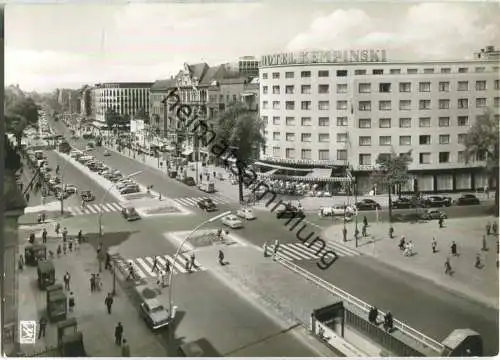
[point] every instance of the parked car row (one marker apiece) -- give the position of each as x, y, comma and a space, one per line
434, 201
122, 184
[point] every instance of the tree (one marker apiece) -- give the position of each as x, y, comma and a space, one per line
20, 112
241, 129
391, 170
142, 114
112, 118
483, 140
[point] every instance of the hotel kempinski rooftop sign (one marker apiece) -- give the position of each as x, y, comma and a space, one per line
324, 57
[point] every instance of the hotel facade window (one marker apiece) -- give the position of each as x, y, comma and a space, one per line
276, 120
324, 105
290, 153
290, 121
305, 89
290, 105
444, 121
305, 137
405, 140
306, 121
289, 89
341, 88
342, 137
323, 154
405, 87
324, 137
384, 123
384, 140
444, 104
365, 106
323, 89
342, 121
365, 141
342, 105
463, 86
424, 87
365, 159
364, 88
305, 154
405, 122
444, 86
290, 136
323, 121
365, 123
289, 75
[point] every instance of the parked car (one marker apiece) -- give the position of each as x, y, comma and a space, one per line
106, 153
468, 199
245, 213
402, 203
189, 181
339, 210
289, 211
130, 213
132, 189
435, 214
437, 201
87, 195
232, 221
207, 204
368, 204
154, 314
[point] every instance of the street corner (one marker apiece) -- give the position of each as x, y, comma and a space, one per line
206, 238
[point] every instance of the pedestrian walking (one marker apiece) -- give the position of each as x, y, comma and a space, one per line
92, 282
39, 218
77, 247
477, 264
265, 249
484, 247
434, 245
108, 301
276, 248
118, 334
20, 263
167, 266
363, 231
28, 200
488, 228
32, 238
201, 178
107, 262
187, 265
64, 248
65, 234
365, 221
494, 228
66, 278
402, 243
42, 326
373, 315
155, 264
388, 322
80, 236
44, 236
391, 232
44, 217
221, 258
97, 282
441, 222
454, 250
71, 302
125, 349
59, 250
344, 234
58, 227
447, 267
70, 245
193, 262
131, 271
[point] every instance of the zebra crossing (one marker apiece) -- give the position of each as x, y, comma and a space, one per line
193, 201
143, 265
300, 251
94, 208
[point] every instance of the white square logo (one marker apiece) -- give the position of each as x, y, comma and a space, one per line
27, 332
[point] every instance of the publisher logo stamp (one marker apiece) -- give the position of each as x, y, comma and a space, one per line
27, 332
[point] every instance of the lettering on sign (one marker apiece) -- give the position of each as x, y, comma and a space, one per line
27, 332
324, 57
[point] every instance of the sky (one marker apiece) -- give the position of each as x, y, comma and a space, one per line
69, 45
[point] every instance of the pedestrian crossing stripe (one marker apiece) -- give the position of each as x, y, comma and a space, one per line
300, 251
143, 266
94, 208
193, 201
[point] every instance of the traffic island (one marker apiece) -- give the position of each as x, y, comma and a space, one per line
204, 238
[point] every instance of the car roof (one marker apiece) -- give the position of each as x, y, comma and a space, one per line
152, 303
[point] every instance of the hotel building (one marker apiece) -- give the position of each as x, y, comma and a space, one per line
127, 99
329, 111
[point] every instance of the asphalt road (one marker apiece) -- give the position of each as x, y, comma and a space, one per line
365, 277
413, 300
207, 308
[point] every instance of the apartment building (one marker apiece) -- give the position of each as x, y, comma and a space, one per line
126, 98
345, 108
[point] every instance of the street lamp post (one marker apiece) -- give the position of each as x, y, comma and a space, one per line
179, 248
99, 222
62, 186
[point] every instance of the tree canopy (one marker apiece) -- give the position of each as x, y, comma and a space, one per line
392, 169
242, 128
20, 111
483, 139
113, 119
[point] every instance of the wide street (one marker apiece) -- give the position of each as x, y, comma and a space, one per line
438, 312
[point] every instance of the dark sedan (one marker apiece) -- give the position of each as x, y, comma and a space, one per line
207, 205
468, 199
87, 196
437, 201
402, 203
368, 204
289, 211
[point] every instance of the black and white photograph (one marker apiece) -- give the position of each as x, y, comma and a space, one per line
250, 179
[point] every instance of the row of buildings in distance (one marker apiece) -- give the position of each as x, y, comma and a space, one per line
328, 111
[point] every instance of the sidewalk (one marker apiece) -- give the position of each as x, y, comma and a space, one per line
93, 321
278, 292
479, 284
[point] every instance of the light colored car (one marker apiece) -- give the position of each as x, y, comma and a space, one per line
70, 189
154, 314
106, 153
232, 221
245, 213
